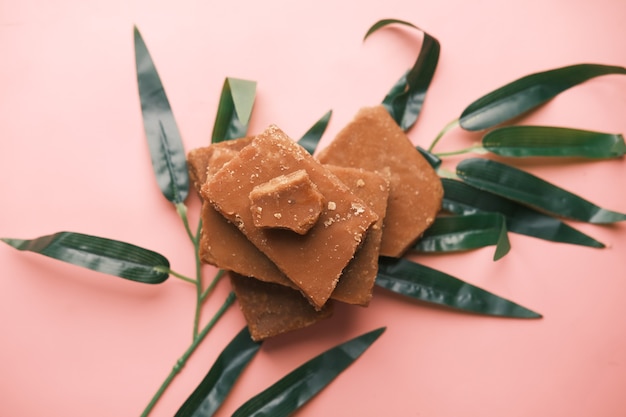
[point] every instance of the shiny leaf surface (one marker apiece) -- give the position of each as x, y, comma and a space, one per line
426, 284
525, 141
299, 386
169, 161
234, 109
517, 185
527, 93
432, 159
405, 100
312, 137
213, 389
465, 232
99, 254
461, 198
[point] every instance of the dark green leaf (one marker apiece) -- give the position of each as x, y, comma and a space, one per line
426, 284
312, 137
99, 254
523, 141
299, 386
461, 198
517, 185
210, 394
465, 232
384, 22
526, 93
405, 100
234, 110
166, 147
432, 159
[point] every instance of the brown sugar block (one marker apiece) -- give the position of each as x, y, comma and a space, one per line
313, 262
221, 243
356, 283
271, 309
289, 202
373, 141
214, 155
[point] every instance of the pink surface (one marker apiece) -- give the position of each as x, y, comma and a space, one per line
73, 157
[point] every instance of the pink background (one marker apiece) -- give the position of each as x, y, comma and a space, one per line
73, 157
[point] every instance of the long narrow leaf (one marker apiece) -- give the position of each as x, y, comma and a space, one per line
311, 138
527, 93
461, 198
99, 254
166, 147
299, 386
517, 185
426, 284
206, 399
234, 109
406, 98
465, 232
525, 141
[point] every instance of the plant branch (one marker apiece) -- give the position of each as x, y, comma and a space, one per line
212, 285
451, 125
182, 361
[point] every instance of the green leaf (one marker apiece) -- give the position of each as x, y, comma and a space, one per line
405, 100
461, 198
430, 157
299, 386
217, 384
99, 254
169, 161
312, 137
465, 232
517, 185
526, 93
234, 109
426, 284
525, 141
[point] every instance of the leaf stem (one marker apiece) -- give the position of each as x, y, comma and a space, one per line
451, 125
182, 361
164, 269
181, 209
212, 285
199, 299
474, 148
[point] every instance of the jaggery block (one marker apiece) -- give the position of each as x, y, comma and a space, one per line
356, 283
373, 141
271, 309
214, 155
313, 262
221, 243
289, 202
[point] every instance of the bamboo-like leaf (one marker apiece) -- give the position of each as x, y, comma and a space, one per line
426, 284
234, 109
166, 147
465, 232
311, 138
99, 254
216, 385
299, 386
527, 93
525, 141
461, 198
517, 185
406, 98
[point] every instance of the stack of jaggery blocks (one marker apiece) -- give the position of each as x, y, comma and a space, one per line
297, 232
